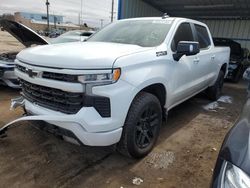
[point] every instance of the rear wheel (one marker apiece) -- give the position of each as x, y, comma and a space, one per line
238, 75
214, 91
142, 126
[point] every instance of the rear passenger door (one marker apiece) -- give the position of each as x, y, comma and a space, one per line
206, 58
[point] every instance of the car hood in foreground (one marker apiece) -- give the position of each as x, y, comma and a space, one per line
236, 147
77, 55
23, 34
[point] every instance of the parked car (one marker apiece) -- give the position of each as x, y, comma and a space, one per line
236, 66
72, 36
28, 38
116, 87
233, 164
54, 34
24, 35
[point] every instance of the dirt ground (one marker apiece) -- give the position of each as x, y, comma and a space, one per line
184, 156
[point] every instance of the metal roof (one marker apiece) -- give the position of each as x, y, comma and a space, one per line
204, 9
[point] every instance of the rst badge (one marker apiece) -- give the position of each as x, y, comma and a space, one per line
161, 53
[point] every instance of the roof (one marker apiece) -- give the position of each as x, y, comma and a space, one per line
149, 18
168, 19
204, 9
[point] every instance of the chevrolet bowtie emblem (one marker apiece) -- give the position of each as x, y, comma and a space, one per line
31, 73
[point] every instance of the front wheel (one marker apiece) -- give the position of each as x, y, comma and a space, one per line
142, 126
214, 91
238, 75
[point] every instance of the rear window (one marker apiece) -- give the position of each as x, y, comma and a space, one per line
202, 36
86, 34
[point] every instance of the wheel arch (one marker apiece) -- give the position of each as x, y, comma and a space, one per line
224, 68
158, 90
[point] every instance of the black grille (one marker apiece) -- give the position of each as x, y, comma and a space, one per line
101, 104
1, 72
66, 102
60, 77
55, 99
53, 76
21, 68
3, 69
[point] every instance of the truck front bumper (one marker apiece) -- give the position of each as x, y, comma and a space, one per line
87, 124
74, 124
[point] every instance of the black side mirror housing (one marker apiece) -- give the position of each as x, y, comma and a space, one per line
187, 48
246, 74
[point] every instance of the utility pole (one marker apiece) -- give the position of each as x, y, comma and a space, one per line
101, 22
47, 4
81, 16
79, 20
112, 11
55, 21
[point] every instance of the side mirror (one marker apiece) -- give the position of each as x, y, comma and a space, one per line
246, 74
186, 48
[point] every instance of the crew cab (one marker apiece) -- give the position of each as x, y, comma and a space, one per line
116, 87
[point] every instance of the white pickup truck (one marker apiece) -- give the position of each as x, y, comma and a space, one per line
117, 87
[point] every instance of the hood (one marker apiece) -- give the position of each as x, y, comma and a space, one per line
236, 147
77, 55
22, 33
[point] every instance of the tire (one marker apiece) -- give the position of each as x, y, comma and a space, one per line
142, 126
238, 76
214, 91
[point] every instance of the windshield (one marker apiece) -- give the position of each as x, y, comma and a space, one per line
145, 33
72, 33
64, 40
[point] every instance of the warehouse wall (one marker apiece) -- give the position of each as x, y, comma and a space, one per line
238, 30
136, 8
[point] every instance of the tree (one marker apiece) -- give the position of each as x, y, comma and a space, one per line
85, 25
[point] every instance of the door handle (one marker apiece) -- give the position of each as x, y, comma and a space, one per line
196, 60
213, 57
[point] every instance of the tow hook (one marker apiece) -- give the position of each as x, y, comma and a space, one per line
3, 133
17, 102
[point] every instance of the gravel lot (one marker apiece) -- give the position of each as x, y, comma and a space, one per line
184, 156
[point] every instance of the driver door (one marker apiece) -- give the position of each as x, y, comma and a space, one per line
185, 69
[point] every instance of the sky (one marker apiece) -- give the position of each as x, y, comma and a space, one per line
93, 10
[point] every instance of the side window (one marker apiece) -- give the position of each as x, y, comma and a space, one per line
202, 36
183, 33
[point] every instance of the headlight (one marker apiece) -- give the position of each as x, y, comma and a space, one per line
105, 78
233, 177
